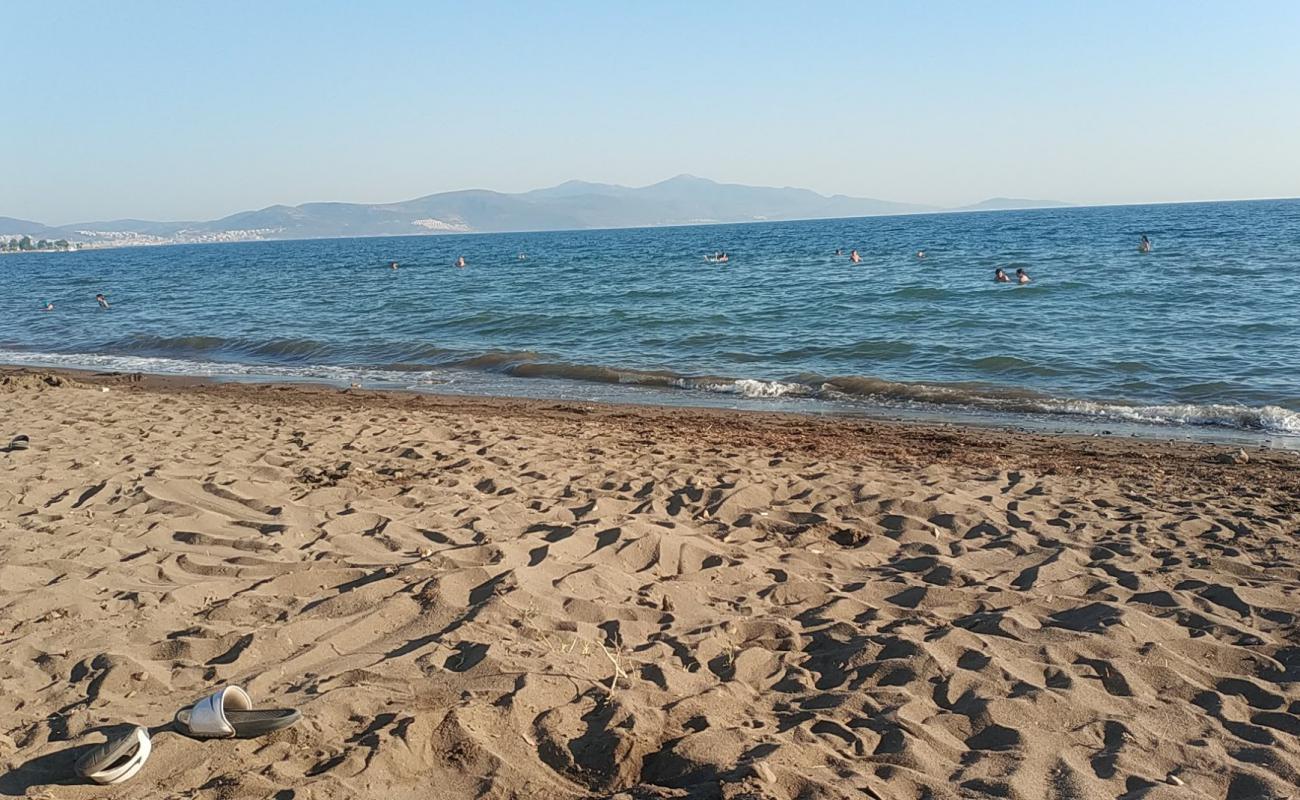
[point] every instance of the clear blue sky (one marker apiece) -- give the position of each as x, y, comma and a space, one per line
188, 110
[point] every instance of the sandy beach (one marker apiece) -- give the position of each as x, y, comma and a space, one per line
496, 598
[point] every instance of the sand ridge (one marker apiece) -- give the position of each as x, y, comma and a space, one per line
510, 599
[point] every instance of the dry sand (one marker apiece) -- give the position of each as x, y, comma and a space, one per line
516, 599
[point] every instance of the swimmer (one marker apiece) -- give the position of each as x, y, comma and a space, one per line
49, 306
854, 257
1000, 276
523, 256
920, 254
723, 258
460, 262
839, 251
1022, 277
102, 300
392, 265
1144, 246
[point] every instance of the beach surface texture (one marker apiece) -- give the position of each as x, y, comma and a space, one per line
518, 599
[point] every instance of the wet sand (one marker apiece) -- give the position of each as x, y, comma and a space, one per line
506, 598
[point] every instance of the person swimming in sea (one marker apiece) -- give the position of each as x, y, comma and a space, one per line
920, 254
460, 262
1022, 277
392, 265
839, 251
102, 300
523, 256
49, 307
1144, 246
722, 258
1000, 277
854, 257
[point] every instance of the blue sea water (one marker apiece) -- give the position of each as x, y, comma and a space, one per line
1202, 332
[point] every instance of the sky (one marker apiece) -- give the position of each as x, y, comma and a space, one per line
189, 110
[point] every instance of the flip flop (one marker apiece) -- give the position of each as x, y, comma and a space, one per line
229, 713
19, 442
118, 759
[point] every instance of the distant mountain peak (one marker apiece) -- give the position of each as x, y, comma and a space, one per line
1011, 204
686, 177
579, 184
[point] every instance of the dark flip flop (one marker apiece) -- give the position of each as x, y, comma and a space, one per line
118, 759
19, 442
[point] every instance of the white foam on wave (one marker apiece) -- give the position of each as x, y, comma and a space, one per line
753, 388
1268, 419
747, 387
155, 365
1273, 419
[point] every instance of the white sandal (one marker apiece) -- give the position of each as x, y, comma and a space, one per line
229, 713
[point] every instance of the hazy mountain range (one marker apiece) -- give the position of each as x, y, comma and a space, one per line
683, 200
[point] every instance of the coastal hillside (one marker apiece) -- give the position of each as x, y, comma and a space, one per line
574, 205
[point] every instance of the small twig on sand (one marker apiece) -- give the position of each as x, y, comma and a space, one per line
618, 668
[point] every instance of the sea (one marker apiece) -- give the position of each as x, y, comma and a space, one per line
1199, 338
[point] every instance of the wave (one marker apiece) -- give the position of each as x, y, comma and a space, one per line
853, 390
589, 373
1270, 419
161, 365
1012, 400
168, 346
941, 394
144, 342
497, 360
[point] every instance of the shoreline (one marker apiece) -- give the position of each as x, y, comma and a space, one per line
660, 398
522, 598
960, 441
